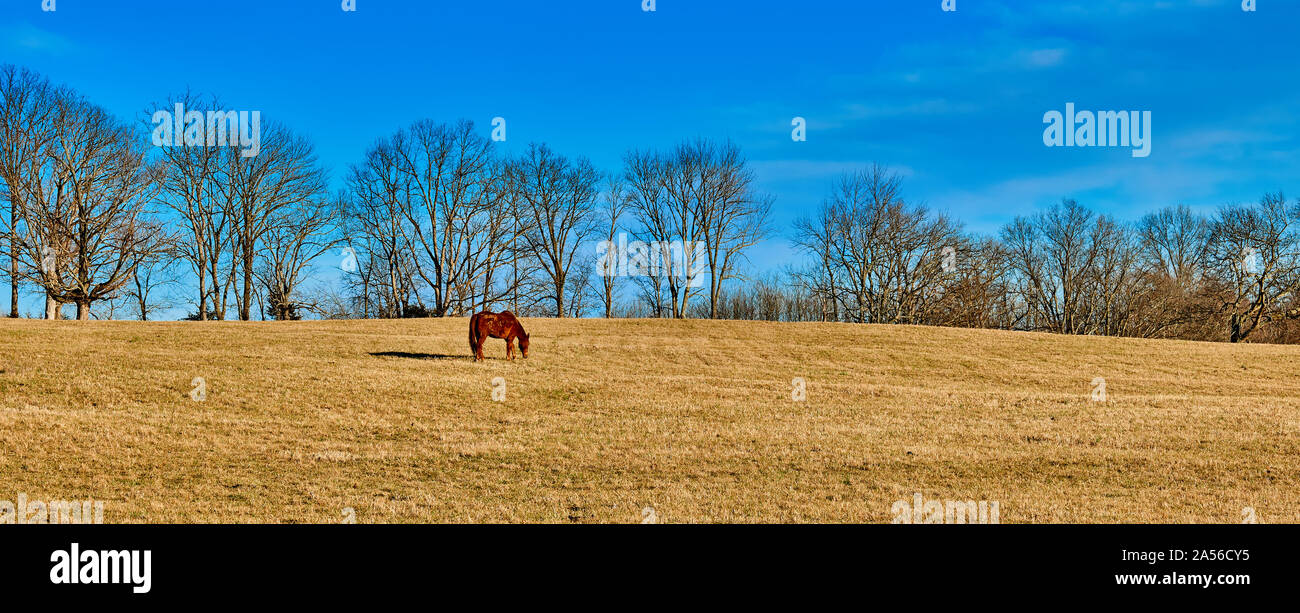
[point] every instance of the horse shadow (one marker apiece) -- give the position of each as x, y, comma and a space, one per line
418, 356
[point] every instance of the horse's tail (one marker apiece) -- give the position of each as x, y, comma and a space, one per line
473, 334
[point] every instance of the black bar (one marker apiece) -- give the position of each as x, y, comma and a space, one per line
226, 564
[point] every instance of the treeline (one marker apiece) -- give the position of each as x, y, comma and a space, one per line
100, 219
433, 220
1068, 270
443, 225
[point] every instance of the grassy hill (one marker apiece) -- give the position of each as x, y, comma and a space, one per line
694, 419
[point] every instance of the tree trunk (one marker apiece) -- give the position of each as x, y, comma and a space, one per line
13, 266
83, 311
203, 297
246, 302
53, 309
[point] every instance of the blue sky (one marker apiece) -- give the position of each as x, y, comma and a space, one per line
954, 101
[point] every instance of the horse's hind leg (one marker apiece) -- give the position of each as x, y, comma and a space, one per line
479, 341
476, 346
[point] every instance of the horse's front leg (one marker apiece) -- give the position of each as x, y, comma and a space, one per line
510, 348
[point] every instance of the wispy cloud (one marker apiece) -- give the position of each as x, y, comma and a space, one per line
1101, 10
1044, 58
26, 37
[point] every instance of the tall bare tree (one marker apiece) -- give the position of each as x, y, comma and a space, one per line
732, 216
882, 258
83, 204
558, 199
296, 236
194, 186
1256, 252
150, 289
1175, 247
504, 263
1053, 254
378, 221
455, 194
284, 175
28, 103
817, 237
698, 207
614, 203
664, 192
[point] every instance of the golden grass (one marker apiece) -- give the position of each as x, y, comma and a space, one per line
693, 418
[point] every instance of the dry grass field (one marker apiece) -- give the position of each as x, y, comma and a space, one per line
694, 419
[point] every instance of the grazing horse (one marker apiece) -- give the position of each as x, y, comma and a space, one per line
496, 325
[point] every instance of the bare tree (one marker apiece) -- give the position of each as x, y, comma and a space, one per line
1175, 247
1116, 295
295, 237
880, 258
1256, 254
378, 223
503, 230
433, 201
698, 194
817, 237
456, 191
154, 274
28, 104
976, 292
732, 216
195, 187
614, 203
1052, 255
84, 207
282, 176
661, 201
558, 198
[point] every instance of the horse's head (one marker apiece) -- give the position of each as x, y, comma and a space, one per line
523, 344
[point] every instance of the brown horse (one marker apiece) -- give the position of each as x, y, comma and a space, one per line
496, 325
